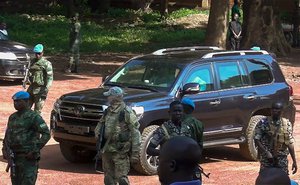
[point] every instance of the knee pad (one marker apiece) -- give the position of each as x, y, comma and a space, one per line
123, 181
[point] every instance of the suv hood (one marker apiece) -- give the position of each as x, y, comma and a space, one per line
95, 96
11, 46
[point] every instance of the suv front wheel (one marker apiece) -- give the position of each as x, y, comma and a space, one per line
249, 149
147, 164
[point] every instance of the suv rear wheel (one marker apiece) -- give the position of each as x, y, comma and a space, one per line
148, 164
248, 149
75, 154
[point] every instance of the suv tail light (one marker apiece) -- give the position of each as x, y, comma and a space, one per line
291, 92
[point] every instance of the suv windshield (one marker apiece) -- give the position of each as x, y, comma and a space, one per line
154, 74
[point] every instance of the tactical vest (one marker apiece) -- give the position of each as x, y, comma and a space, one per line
281, 134
38, 73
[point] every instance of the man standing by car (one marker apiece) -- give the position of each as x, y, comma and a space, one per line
171, 128
235, 32
122, 138
273, 136
26, 134
41, 77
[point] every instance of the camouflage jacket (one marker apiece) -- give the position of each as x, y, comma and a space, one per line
168, 130
75, 34
196, 128
121, 130
274, 137
27, 132
41, 75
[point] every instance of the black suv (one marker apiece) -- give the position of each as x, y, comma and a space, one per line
14, 58
232, 91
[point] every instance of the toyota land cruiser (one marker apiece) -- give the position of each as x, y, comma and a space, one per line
232, 91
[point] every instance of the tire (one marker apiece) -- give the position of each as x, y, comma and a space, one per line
148, 164
75, 154
248, 149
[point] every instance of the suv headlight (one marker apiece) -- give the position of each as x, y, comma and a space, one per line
139, 111
8, 56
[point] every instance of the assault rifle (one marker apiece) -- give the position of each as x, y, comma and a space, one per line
10, 156
202, 171
99, 146
26, 77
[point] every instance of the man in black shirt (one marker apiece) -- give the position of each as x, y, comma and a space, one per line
235, 32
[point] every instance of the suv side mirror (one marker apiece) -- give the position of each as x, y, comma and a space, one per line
190, 88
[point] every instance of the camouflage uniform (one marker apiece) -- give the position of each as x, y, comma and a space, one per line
122, 141
26, 132
168, 130
41, 77
276, 140
197, 128
74, 39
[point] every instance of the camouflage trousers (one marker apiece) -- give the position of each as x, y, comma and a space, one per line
116, 167
26, 171
279, 162
38, 100
74, 58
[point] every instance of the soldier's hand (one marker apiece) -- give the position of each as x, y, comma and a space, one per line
294, 167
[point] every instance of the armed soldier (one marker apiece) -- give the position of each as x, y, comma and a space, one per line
122, 138
26, 134
273, 136
74, 39
41, 77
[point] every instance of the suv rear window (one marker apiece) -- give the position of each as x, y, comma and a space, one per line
259, 72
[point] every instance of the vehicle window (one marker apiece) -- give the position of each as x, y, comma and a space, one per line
203, 76
159, 74
229, 75
259, 72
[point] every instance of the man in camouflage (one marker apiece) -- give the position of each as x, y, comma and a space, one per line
273, 136
191, 121
171, 128
122, 138
41, 77
26, 134
74, 39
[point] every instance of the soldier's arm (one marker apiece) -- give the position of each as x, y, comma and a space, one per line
49, 71
133, 126
156, 140
291, 146
200, 134
43, 130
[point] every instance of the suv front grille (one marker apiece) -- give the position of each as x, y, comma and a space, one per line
77, 113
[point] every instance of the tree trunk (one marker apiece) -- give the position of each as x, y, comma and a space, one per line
216, 32
262, 26
143, 5
104, 6
296, 22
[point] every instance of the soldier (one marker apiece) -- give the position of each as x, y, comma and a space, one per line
41, 77
122, 138
171, 128
26, 134
74, 45
273, 136
3, 31
178, 158
235, 32
190, 120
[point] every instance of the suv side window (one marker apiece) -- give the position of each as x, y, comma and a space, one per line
230, 75
202, 75
259, 72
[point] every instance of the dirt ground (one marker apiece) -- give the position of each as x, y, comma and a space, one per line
224, 163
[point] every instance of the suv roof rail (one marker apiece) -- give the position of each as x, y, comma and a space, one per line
181, 49
235, 53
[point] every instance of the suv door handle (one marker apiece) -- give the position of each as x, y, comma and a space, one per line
215, 102
249, 97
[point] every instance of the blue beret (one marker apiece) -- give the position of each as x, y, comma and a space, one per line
38, 48
114, 91
21, 95
188, 101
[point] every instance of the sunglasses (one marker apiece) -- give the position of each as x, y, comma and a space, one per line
38, 53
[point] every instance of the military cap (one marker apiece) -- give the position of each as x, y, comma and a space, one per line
38, 48
114, 91
188, 101
21, 95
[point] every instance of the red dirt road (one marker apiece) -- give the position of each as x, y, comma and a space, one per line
224, 163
